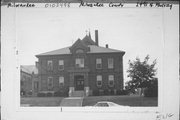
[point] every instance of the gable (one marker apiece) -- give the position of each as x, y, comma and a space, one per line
79, 45
88, 41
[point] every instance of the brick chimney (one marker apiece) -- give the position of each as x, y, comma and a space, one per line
107, 46
96, 37
37, 64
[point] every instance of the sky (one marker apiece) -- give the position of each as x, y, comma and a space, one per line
136, 31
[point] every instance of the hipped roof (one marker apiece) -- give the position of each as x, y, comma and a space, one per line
86, 41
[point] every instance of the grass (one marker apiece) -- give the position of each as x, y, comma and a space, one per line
91, 100
122, 100
41, 101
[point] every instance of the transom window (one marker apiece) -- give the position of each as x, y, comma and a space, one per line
110, 63
99, 80
98, 63
61, 81
61, 64
80, 62
111, 80
50, 83
79, 51
50, 65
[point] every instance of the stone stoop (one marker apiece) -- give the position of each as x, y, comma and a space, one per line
78, 94
72, 101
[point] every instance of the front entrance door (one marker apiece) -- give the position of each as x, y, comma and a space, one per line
79, 82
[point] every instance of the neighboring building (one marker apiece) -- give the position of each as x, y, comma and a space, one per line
29, 80
84, 66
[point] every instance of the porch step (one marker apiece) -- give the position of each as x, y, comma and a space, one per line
78, 94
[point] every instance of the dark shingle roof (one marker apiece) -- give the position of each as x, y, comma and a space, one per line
93, 49
57, 52
86, 41
98, 49
29, 69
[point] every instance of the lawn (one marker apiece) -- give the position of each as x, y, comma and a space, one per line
91, 100
122, 100
41, 101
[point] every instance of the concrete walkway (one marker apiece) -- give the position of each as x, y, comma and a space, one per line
72, 101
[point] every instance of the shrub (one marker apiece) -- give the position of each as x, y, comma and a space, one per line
106, 92
95, 92
41, 95
66, 93
111, 92
49, 94
151, 92
29, 93
63, 93
57, 94
122, 92
101, 92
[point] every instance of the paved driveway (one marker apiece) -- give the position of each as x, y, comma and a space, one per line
72, 101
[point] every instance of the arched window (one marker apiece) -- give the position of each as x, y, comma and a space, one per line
79, 51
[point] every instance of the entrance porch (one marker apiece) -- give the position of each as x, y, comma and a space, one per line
78, 83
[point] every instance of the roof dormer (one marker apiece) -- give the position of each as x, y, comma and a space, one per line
79, 47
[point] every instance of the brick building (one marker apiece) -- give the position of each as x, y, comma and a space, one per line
29, 80
85, 66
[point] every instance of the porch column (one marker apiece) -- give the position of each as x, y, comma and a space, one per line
71, 81
71, 84
86, 84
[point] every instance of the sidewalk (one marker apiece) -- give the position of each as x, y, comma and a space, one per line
72, 101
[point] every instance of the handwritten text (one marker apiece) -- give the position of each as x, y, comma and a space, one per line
164, 116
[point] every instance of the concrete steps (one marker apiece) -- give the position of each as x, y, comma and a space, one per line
72, 101
78, 94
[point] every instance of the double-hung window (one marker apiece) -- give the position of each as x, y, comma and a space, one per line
61, 81
50, 83
110, 63
111, 80
98, 63
99, 81
80, 62
61, 64
50, 65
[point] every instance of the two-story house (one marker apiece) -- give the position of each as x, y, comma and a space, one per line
85, 66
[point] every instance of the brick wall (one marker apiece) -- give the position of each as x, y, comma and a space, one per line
90, 62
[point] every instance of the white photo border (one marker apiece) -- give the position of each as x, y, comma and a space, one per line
11, 86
